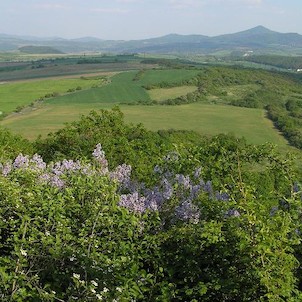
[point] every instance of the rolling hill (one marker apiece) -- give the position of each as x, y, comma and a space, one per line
39, 50
257, 39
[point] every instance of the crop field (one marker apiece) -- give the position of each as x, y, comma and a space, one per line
123, 88
60, 70
13, 95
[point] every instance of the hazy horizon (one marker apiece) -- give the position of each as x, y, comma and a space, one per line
138, 19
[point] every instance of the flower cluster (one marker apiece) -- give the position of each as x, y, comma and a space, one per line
122, 174
99, 156
182, 189
56, 174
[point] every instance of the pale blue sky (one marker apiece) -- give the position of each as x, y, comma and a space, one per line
137, 19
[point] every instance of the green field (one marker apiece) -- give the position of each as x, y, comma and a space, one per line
124, 89
161, 94
203, 118
67, 69
209, 116
17, 94
121, 89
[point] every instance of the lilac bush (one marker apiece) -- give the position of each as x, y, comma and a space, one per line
79, 231
179, 189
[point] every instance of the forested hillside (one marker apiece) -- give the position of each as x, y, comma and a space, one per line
288, 62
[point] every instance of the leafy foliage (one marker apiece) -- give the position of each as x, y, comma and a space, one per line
190, 219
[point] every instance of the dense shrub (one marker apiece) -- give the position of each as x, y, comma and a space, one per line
289, 126
80, 231
11, 145
166, 216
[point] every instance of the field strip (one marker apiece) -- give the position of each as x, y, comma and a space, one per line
74, 76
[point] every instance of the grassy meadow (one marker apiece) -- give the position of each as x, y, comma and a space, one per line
122, 88
203, 118
14, 94
161, 94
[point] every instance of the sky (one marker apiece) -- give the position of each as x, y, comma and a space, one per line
139, 19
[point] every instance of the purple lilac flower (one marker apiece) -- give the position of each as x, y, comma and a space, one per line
56, 169
154, 200
197, 173
154, 193
167, 189
157, 169
99, 155
152, 204
184, 180
274, 210
87, 169
37, 163
222, 196
121, 174
6, 169
133, 202
232, 213
188, 212
21, 161
70, 165
296, 187
45, 178
57, 182
208, 187
195, 190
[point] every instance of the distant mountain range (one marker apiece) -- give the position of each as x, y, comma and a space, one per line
259, 39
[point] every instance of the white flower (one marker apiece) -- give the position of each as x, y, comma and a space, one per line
94, 283
77, 276
99, 297
23, 252
119, 289
105, 290
93, 290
